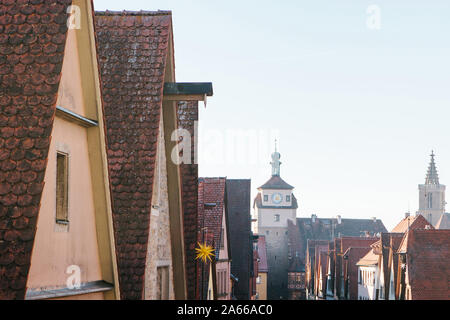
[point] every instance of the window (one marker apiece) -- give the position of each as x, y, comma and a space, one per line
258, 280
288, 198
266, 198
62, 194
222, 239
224, 291
430, 200
162, 283
277, 218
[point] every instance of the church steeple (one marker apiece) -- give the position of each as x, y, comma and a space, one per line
432, 174
276, 163
432, 195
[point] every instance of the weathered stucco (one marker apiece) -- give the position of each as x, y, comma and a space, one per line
159, 248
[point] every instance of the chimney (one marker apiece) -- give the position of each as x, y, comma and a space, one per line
374, 219
313, 218
407, 215
339, 219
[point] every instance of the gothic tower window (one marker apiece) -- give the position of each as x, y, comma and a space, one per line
430, 200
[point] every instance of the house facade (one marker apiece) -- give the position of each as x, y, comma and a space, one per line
241, 236
153, 193
263, 269
55, 209
423, 262
213, 230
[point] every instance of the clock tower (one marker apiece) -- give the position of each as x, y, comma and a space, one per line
274, 205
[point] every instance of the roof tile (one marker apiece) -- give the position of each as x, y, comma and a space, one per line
132, 115
26, 117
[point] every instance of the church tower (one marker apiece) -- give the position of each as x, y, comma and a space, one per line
274, 205
432, 195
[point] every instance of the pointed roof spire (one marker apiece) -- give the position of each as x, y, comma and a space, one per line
432, 174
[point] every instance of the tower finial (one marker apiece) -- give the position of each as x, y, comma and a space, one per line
276, 161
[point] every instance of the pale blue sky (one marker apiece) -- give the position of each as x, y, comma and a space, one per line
358, 111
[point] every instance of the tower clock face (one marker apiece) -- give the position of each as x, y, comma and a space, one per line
277, 198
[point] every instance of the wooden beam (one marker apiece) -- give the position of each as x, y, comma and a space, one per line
86, 288
188, 88
185, 97
74, 117
175, 203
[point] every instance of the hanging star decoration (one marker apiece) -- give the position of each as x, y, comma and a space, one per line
204, 252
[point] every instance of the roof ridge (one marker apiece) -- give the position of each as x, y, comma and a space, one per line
134, 13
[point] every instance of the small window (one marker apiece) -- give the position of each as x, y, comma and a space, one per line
258, 280
222, 239
266, 198
288, 198
267, 232
163, 283
277, 218
62, 194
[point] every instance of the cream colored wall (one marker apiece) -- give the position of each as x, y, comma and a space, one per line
159, 248
261, 288
210, 285
70, 95
57, 247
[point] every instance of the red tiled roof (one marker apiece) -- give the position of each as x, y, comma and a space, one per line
32, 42
296, 247
187, 115
211, 197
356, 242
211, 206
370, 259
428, 263
342, 245
132, 50
353, 255
262, 253
412, 222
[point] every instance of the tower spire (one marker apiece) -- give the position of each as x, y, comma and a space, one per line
276, 162
432, 174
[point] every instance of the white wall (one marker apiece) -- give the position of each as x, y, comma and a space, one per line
367, 284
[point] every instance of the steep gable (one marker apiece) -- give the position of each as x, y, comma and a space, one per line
32, 43
133, 50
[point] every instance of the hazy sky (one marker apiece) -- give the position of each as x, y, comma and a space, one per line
357, 110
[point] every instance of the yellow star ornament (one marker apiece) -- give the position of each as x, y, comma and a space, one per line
204, 252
